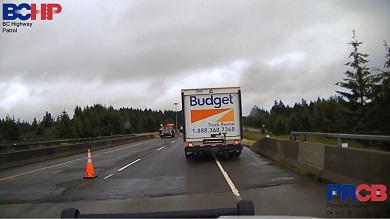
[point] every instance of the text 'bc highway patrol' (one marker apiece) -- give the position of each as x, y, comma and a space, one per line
12, 27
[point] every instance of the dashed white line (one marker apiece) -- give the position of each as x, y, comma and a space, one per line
161, 148
128, 165
60, 164
108, 176
172, 142
228, 180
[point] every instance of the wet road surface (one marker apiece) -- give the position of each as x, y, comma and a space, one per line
154, 175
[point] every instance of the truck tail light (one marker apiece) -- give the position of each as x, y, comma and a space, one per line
236, 142
189, 144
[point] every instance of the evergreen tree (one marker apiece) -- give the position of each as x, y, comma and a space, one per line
77, 112
34, 123
278, 119
328, 116
64, 128
358, 81
77, 127
280, 125
299, 117
40, 130
10, 129
257, 118
378, 115
47, 120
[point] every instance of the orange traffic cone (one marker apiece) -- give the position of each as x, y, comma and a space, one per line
90, 174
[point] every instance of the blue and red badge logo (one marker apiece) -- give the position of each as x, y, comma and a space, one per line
46, 11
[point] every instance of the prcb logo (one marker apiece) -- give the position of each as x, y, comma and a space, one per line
12, 11
375, 192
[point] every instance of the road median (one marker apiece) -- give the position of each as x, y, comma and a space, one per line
17, 158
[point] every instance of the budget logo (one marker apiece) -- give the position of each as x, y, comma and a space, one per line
363, 192
12, 11
226, 115
216, 102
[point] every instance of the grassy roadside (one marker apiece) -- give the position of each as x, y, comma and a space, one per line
252, 137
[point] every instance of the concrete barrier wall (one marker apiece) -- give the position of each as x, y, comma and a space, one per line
348, 164
331, 163
265, 147
13, 159
311, 157
279, 150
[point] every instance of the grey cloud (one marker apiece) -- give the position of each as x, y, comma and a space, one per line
136, 53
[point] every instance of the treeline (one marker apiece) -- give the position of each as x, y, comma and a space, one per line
362, 107
323, 115
90, 121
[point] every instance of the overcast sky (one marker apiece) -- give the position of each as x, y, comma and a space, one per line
141, 53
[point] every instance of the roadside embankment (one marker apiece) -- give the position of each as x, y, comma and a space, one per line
328, 162
17, 158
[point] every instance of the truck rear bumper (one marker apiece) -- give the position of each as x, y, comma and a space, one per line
213, 149
167, 135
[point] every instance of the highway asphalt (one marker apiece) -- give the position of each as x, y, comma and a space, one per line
154, 175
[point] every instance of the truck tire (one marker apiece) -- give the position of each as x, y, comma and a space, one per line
234, 154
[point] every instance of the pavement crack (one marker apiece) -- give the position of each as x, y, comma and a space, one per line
262, 186
70, 187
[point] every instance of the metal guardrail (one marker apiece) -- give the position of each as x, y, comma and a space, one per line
29, 145
339, 136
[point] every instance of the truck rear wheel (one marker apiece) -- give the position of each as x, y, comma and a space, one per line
235, 154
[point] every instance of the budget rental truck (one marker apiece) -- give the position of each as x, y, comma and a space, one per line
212, 119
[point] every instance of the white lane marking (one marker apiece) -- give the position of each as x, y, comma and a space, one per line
228, 180
161, 148
172, 142
33, 171
108, 176
48, 167
129, 164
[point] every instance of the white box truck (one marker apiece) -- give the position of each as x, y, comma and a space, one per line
212, 121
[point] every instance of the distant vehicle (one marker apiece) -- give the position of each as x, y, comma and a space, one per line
167, 130
212, 121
